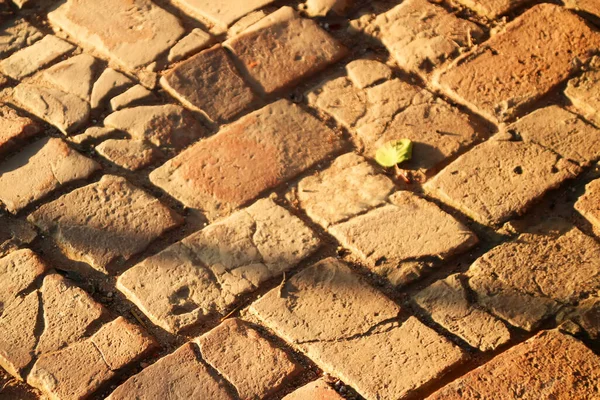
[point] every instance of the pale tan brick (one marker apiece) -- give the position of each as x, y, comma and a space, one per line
31, 59
589, 204
15, 128
18, 271
584, 94
317, 390
222, 13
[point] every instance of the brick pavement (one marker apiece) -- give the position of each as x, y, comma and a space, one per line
191, 207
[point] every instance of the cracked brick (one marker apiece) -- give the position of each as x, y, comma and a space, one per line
255, 367
222, 13
426, 237
38, 170
205, 273
105, 222
18, 271
493, 8
14, 233
109, 84
587, 204
194, 42
16, 35
589, 6
498, 180
75, 75
584, 93
15, 128
129, 154
535, 53
342, 324
258, 152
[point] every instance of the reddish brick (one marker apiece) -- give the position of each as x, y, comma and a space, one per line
14, 128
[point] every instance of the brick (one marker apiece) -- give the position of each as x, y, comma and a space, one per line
493, 8
535, 53
584, 94
79, 370
587, 204
446, 302
105, 222
527, 280
133, 96
256, 153
75, 75
320, 8
421, 36
203, 274
245, 22
316, 390
550, 365
14, 233
209, 83
38, 170
109, 84
498, 180
31, 59
560, 131
120, 342
222, 13
155, 29
404, 239
349, 187
166, 125
65, 111
18, 271
342, 324
95, 134
180, 375
393, 110
588, 6
17, 34
255, 367
129, 154
365, 73
15, 128
194, 42
586, 315
280, 50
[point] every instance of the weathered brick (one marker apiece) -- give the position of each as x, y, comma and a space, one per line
551, 365
493, 8
205, 273
349, 187
14, 233
180, 375
256, 153
80, 369
527, 280
588, 204
155, 29
16, 35
588, 6
282, 49
403, 239
560, 131
421, 36
104, 222
30, 59
316, 390
18, 271
446, 301
535, 53
129, 154
109, 84
14, 128
75, 75
365, 73
39, 169
393, 110
343, 324
584, 94
166, 125
66, 111
254, 366
132, 97
195, 41
498, 180
222, 13
209, 83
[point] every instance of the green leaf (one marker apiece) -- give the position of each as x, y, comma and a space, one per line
394, 152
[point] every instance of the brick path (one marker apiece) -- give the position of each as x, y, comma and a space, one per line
190, 206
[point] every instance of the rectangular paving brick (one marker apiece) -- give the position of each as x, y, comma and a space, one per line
527, 280
344, 325
205, 273
560, 131
256, 153
31, 59
155, 29
421, 35
402, 240
254, 366
534, 54
180, 375
38, 170
551, 365
222, 13
499, 180
584, 93
447, 303
589, 203
209, 83
105, 222
15, 128
390, 109
280, 50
